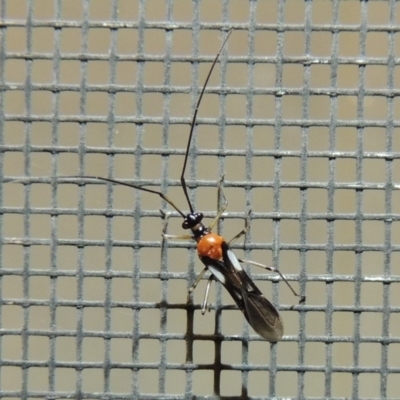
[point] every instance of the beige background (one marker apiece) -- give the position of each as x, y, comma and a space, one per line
61, 224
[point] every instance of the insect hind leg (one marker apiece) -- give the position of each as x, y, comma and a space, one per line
272, 269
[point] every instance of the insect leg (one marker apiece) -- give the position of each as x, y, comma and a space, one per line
224, 205
165, 216
177, 237
205, 307
244, 230
191, 289
201, 274
272, 269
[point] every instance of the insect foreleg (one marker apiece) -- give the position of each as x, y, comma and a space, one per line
165, 215
177, 237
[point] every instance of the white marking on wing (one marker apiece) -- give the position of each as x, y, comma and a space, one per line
234, 261
217, 274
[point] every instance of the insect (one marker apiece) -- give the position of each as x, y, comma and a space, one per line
215, 253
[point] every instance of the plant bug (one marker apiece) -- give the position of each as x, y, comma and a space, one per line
215, 253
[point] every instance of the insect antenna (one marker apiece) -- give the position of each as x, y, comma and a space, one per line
183, 182
162, 195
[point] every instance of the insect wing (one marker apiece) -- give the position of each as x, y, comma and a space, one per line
262, 316
259, 312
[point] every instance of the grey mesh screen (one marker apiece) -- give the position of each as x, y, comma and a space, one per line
301, 118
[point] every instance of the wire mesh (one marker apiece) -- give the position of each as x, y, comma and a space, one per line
300, 117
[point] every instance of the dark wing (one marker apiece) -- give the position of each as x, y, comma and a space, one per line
263, 317
259, 312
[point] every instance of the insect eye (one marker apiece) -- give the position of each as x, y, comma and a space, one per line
199, 217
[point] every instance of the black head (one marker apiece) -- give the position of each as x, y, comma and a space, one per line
192, 219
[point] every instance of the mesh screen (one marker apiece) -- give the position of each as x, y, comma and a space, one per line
301, 118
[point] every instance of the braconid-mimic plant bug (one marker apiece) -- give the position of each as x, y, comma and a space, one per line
215, 253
